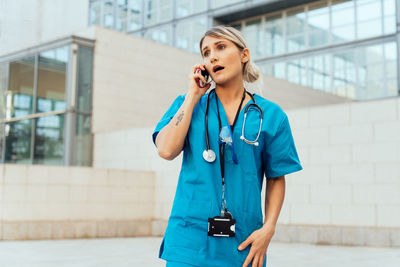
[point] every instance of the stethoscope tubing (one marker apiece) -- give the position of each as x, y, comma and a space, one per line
245, 113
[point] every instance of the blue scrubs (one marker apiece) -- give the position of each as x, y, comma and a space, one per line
199, 190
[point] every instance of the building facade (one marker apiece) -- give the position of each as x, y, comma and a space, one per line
88, 98
348, 48
46, 104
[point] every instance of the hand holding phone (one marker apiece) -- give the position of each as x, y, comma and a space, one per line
206, 76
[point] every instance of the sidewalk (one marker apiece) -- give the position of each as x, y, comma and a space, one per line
143, 252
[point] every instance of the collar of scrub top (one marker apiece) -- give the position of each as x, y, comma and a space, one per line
209, 154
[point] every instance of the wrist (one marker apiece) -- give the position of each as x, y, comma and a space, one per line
192, 97
269, 226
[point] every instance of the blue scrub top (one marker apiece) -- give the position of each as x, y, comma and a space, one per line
199, 190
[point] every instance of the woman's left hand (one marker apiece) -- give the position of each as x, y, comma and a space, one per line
259, 241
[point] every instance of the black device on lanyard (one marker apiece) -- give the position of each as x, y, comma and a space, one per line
224, 225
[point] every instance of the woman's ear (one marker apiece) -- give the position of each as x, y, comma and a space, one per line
245, 55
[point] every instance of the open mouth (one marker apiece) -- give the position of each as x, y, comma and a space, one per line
218, 68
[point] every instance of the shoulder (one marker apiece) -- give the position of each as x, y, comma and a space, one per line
271, 110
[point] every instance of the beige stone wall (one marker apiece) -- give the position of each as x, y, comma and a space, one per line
347, 194
54, 202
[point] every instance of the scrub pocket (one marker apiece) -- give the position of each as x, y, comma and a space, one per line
195, 214
247, 158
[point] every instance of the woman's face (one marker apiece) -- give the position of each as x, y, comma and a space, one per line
222, 52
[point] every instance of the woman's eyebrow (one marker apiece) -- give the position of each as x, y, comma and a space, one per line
217, 42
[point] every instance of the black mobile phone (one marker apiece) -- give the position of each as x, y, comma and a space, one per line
206, 76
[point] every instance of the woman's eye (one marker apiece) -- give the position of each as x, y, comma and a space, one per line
221, 46
205, 54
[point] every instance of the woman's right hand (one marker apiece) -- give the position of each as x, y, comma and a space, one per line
194, 88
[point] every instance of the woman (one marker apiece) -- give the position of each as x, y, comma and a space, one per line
228, 183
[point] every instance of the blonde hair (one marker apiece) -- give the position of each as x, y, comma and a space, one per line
250, 71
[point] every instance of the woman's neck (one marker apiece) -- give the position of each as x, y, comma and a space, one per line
229, 93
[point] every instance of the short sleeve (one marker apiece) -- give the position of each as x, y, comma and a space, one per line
280, 155
167, 117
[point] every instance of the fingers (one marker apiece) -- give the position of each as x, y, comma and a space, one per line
248, 259
245, 243
208, 85
255, 261
261, 262
201, 66
199, 76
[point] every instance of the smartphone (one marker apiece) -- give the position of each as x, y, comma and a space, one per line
206, 76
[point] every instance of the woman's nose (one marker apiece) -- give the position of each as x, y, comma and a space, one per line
213, 58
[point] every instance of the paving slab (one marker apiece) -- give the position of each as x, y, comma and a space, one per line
143, 252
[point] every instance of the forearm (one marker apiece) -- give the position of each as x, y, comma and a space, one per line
274, 196
171, 138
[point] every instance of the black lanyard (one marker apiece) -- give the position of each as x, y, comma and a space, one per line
222, 146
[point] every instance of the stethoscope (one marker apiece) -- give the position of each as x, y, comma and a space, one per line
209, 154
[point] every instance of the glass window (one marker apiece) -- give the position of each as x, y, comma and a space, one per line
161, 34
252, 33
368, 10
49, 140
295, 29
391, 85
279, 70
389, 15
134, 15
82, 146
84, 82
108, 14
276, 69
3, 89
369, 21
342, 21
297, 71
318, 25
95, 13
18, 142
273, 33
52, 79
20, 95
365, 72
370, 28
319, 68
2, 136
390, 51
344, 74
122, 15
189, 33
371, 54
158, 11
187, 7
220, 3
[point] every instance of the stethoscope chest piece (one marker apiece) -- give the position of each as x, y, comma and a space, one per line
209, 155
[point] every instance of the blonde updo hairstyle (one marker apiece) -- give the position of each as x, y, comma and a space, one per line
250, 71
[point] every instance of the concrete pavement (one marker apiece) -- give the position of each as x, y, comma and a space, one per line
143, 252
